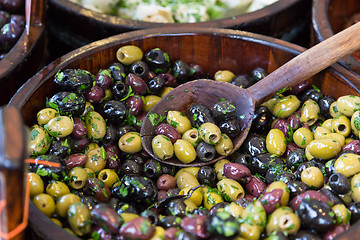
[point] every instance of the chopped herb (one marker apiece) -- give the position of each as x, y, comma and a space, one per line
155, 118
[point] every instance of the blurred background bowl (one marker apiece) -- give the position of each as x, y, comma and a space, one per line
330, 17
71, 25
214, 49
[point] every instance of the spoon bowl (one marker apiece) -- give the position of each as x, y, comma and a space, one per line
208, 92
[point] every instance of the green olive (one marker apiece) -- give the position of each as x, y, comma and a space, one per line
166, 91
45, 203
108, 95
341, 125
78, 177
159, 233
79, 218
342, 213
88, 108
355, 123
36, 184
327, 124
109, 177
256, 214
284, 220
44, 115
179, 121
225, 146
60, 126
231, 189
234, 209
129, 54
308, 155
310, 112
90, 147
193, 170
162, 147
348, 104
275, 142
334, 112
57, 189
250, 231
302, 137
335, 136
95, 126
212, 197
286, 106
64, 202
286, 192
270, 104
324, 148
224, 76
150, 101
192, 136
313, 177
96, 159
196, 196
39, 142
219, 168
355, 187
210, 133
184, 151
186, 180
348, 164
57, 222
130, 142
320, 131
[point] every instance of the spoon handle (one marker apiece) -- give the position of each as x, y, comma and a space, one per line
308, 63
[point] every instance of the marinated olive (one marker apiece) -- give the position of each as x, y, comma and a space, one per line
67, 103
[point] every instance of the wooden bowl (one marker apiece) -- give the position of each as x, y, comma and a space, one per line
330, 17
74, 26
27, 55
214, 49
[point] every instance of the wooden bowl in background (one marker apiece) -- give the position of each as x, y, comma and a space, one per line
330, 17
212, 48
73, 26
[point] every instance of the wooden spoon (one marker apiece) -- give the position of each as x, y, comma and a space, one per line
208, 92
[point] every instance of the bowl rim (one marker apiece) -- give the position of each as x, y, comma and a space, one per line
245, 18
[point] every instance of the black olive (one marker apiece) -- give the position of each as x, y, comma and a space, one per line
136, 189
215, 208
295, 158
261, 163
201, 211
324, 104
111, 135
262, 120
113, 202
123, 207
205, 152
257, 74
119, 90
140, 68
176, 207
130, 167
319, 163
182, 235
117, 71
4, 18
278, 235
170, 221
49, 173
339, 183
329, 167
61, 147
181, 71
273, 172
168, 169
334, 198
242, 81
152, 169
9, 34
230, 127
223, 110
138, 158
200, 114
114, 111
151, 215
286, 177
123, 129
76, 80
354, 208
156, 85
296, 188
312, 94
89, 201
158, 61
254, 145
222, 224
207, 176
306, 235
197, 71
67, 103
302, 167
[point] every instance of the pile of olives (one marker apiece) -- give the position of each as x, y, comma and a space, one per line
12, 24
296, 176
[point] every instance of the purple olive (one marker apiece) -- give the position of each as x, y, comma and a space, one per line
166, 182
195, 225
135, 104
353, 146
4, 18
138, 228
119, 90
112, 160
80, 144
334, 198
75, 160
12, 5
95, 94
170, 80
169, 131
336, 231
136, 83
156, 85
271, 200
197, 71
311, 194
79, 129
97, 188
297, 188
107, 218
293, 121
18, 19
140, 68
300, 87
255, 186
104, 78
9, 34
290, 147
236, 171
282, 125
170, 233
98, 232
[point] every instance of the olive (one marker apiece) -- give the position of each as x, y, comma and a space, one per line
207, 176
230, 127
139, 68
293, 122
168, 169
79, 144
261, 163
136, 189
67, 103
36, 184
129, 54
79, 218
107, 218
136, 83
296, 188
114, 111
200, 114
354, 208
123, 129
151, 215
339, 183
255, 186
262, 119
111, 135
254, 145
130, 167
49, 172
257, 74
197, 71
139, 157
302, 167
61, 148
103, 78
334, 198
195, 225
205, 152
120, 90
242, 81
181, 71
122, 207
166, 182
295, 159
158, 60
273, 172
329, 167
170, 80
176, 207
316, 215
77, 80
9, 34
156, 85
75, 160
97, 188
138, 228
169, 131
182, 235
236, 171
312, 94
135, 104
45, 203
324, 104
222, 224
223, 110
306, 235
79, 130
241, 158
170, 221
152, 169
271, 200
286, 177
117, 71
100, 233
